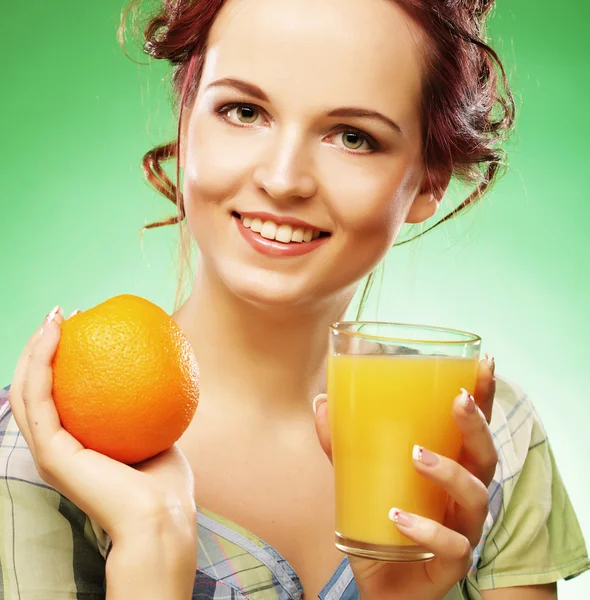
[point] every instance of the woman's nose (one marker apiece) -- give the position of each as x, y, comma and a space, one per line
286, 172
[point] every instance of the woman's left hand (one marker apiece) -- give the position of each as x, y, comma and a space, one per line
466, 482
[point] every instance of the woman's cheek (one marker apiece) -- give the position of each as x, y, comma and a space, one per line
371, 202
218, 163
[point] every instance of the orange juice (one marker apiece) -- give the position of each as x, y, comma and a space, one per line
380, 406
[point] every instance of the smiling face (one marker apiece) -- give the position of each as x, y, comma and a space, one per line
306, 125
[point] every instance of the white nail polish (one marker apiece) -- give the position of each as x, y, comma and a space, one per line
50, 317
402, 518
467, 401
315, 403
417, 453
52, 314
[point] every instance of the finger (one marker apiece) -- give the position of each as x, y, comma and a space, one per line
322, 424
478, 454
80, 475
74, 313
485, 386
41, 415
452, 550
15, 395
463, 487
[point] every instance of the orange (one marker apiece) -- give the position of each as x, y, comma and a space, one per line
125, 379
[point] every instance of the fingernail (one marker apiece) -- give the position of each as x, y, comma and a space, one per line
404, 519
467, 401
491, 362
49, 318
73, 313
52, 314
316, 402
420, 454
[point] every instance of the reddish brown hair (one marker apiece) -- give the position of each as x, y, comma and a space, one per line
467, 107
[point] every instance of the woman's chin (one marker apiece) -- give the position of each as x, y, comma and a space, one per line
274, 290
311, 287
273, 297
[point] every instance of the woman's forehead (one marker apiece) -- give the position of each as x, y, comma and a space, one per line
333, 50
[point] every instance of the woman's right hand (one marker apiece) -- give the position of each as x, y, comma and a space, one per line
153, 500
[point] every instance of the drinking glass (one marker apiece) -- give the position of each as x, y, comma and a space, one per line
391, 386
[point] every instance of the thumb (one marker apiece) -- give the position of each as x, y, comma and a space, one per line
322, 424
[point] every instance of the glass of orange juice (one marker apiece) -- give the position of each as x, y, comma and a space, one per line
391, 386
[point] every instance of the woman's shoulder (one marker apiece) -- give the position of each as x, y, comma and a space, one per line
523, 448
46, 539
531, 535
515, 425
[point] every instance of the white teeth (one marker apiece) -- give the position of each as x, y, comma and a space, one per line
297, 235
269, 230
284, 234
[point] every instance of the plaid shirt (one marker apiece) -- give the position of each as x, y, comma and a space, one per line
51, 550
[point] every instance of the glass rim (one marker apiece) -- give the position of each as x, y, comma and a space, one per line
340, 327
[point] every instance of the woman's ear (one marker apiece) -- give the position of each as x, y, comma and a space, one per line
429, 197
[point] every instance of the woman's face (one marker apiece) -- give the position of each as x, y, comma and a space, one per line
307, 111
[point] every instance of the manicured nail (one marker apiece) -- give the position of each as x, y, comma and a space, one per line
420, 454
316, 402
52, 314
49, 318
491, 363
73, 313
404, 519
467, 401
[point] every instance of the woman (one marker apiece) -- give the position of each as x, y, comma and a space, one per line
330, 124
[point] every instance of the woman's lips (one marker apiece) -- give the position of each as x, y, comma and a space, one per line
274, 248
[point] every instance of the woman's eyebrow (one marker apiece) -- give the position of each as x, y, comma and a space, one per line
365, 113
345, 111
242, 86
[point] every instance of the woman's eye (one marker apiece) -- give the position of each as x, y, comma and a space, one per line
352, 140
241, 113
356, 141
246, 114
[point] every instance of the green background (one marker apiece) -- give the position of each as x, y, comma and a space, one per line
77, 115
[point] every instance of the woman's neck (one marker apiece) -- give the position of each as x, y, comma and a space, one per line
272, 358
